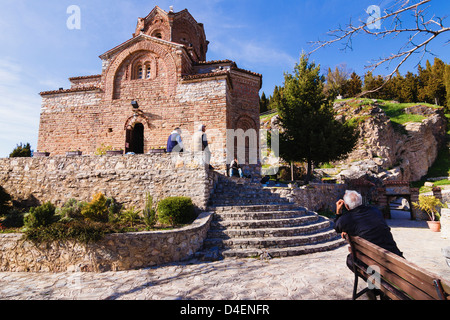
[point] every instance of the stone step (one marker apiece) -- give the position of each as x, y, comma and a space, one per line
284, 252
259, 215
270, 242
262, 220
249, 221
254, 207
268, 232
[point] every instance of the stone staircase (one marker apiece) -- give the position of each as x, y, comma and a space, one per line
250, 221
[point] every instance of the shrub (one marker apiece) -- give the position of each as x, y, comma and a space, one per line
176, 210
14, 219
96, 210
78, 230
131, 215
40, 216
149, 212
114, 209
71, 209
21, 151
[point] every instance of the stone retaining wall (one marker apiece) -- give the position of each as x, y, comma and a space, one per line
31, 181
315, 197
116, 252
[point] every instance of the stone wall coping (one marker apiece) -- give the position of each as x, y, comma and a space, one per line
202, 219
115, 252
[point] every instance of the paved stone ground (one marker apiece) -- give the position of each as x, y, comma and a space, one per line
319, 276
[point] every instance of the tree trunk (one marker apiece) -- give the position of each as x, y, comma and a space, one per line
308, 172
292, 171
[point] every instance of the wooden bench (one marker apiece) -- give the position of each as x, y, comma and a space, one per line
395, 277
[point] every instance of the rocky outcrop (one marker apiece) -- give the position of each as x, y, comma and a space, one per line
390, 151
387, 150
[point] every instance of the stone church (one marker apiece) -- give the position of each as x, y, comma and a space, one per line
154, 82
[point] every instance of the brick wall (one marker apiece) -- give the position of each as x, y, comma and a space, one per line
180, 91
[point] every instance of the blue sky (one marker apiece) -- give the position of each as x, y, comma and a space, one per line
38, 52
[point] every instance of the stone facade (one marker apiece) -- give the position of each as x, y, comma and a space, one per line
163, 67
128, 178
116, 252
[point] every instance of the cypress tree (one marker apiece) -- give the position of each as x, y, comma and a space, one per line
310, 133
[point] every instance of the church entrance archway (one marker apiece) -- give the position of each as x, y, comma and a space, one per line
135, 139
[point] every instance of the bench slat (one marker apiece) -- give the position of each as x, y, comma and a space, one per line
397, 274
419, 277
395, 282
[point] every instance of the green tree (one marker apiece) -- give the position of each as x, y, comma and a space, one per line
353, 86
447, 87
432, 88
408, 88
263, 103
310, 132
275, 99
336, 82
21, 151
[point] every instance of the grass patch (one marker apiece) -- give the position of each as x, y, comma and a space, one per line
267, 116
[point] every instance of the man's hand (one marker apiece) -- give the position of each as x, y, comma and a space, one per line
339, 206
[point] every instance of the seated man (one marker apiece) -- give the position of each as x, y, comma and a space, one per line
235, 169
363, 221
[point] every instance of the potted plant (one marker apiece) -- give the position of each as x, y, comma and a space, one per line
41, 154
161, 149
114, 152
72, 153
430, 205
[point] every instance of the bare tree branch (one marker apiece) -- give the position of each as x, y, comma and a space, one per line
423, 30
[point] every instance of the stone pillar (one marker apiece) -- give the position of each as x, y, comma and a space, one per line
416, 213
445, 223
382, 202
437, 192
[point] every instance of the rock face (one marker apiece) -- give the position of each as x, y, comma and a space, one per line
391, 151
386, 150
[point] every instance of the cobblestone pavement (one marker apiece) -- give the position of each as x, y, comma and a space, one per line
319, 276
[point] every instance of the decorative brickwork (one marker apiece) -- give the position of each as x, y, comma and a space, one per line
163, 68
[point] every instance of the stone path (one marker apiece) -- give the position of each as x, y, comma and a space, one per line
318, 276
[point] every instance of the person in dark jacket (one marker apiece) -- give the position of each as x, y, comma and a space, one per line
236, 169
174, 142
363, 221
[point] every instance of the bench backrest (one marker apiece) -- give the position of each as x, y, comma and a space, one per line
399, 278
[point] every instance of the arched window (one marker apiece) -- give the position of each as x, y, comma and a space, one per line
142, 69
148, 72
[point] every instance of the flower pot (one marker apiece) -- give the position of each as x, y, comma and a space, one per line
41, 154
157, 151
73, 153
114, 152
434, 226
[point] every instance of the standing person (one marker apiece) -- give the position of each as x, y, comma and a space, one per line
200, 141
174, 142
